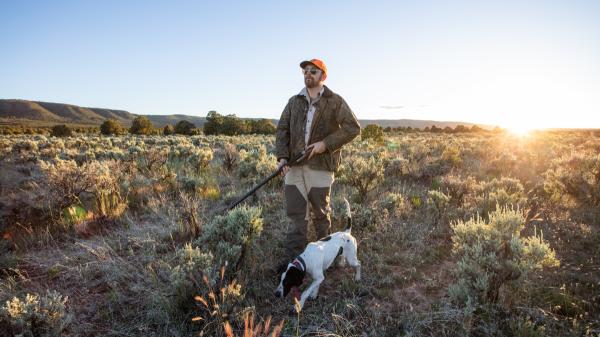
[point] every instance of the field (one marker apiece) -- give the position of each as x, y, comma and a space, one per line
474, 234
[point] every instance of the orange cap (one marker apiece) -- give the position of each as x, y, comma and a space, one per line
317, 63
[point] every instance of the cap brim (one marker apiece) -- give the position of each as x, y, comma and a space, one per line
305, 63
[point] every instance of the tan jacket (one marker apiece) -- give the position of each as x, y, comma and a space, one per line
334, 124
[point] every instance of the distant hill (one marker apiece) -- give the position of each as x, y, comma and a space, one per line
30, 112
415, 123
16, 109
24, 112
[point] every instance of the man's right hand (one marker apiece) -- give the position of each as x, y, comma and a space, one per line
283, 162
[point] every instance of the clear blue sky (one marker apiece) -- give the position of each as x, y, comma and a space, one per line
503, 62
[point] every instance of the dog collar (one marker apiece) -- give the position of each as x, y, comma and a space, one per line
299, 263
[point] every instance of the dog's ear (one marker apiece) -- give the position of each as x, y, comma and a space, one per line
294, 277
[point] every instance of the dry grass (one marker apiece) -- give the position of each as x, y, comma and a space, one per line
117, 279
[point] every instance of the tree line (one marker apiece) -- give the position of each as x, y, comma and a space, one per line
216, 124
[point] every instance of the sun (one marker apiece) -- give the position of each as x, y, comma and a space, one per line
520, 129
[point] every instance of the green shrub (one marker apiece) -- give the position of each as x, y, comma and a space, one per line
451, 156
35, 315
230, 237
526, 328
372, 132
61, 131
200, 159
111, 127
362, 174
433, 168
367, 217
497, 192
457, 188
168, 130
231, 157
574, 183
191, 184
192, 267
255, 165
65, 183
437, 206
395, 203
217, 305
141, 126
504, 164
190, 221
184, 127
25, 146
261, 126
493, 253
397, 168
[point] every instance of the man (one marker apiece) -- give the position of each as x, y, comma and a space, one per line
319, 122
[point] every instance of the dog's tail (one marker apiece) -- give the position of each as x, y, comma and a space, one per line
349, 215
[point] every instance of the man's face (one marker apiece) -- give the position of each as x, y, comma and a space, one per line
312, 76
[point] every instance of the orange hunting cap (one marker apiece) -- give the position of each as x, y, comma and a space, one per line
317, 63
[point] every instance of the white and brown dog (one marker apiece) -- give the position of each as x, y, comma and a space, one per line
316, 258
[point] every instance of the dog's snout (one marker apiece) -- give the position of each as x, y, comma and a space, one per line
278, 293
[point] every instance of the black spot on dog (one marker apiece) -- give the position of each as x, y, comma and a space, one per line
327, 238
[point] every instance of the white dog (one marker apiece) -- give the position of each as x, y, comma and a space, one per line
316, 258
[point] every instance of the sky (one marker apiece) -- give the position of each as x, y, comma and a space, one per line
517, 64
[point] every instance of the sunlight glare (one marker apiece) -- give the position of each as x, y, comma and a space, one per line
520, 129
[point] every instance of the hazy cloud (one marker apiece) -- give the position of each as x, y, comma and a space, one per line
392, 107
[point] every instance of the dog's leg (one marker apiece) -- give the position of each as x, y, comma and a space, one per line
353, 260
341, 261
309, 291
357, 267
315, 292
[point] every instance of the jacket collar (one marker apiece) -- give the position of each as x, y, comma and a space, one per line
326, 92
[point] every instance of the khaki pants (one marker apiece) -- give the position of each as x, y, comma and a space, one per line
306, 197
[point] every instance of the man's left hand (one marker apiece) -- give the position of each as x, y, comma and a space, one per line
318, 147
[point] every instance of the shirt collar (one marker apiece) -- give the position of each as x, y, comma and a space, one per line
304, 92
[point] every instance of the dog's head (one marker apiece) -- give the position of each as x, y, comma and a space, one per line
291, 277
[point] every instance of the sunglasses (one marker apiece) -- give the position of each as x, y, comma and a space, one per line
311, 71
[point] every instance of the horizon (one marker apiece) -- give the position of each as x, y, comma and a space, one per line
519, 66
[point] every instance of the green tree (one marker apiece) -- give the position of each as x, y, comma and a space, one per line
233, 125
61, 131
435, 129
476, 128
214, 123
261, 126
141, 126
461, 128
374, 132
168, 130
111, 127
184, 127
